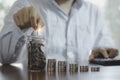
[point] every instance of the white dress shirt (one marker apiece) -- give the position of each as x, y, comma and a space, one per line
68, 37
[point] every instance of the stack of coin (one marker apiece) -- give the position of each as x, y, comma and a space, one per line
73, 67
62, 65
95, 69
84, 68
51, 66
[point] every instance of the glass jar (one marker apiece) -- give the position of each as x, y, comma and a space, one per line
36, 53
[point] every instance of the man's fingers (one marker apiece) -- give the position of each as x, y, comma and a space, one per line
91, 57
36, 25
99, 53
112, 52
27, 17
16, 20
40, 22
20, 18
104, 53
33, 17
33, 21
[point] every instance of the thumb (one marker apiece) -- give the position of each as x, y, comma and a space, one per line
104, 53
40, 21
37, 25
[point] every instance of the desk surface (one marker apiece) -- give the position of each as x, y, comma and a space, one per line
10, 72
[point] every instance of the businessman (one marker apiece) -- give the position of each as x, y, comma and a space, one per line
71, 29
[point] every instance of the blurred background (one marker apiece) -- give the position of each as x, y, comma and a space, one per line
110, 10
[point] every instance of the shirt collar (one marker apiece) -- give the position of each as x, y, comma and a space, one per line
77, 5
79, 2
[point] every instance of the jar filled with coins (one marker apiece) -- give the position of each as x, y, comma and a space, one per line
36, 53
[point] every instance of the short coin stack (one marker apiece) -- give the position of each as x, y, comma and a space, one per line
62, 65
84, 68
51, 66
95, 69
73, 67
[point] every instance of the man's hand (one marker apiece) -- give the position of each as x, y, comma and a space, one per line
28, 17
103, 53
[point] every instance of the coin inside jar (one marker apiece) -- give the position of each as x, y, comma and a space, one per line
36, 54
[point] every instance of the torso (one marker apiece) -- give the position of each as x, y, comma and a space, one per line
65, 33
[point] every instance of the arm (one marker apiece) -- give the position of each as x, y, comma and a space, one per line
102, 35
104, 46
11, 34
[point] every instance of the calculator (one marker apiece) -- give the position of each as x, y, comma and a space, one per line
106, 62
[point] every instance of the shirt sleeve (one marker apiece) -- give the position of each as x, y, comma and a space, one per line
102, 33
11, 34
